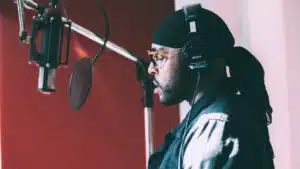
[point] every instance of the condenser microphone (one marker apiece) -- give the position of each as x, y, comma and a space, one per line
46, 81
48, 58
50, 55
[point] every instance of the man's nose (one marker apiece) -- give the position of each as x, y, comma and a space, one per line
152, 70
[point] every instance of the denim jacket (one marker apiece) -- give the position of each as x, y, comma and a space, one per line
222, 132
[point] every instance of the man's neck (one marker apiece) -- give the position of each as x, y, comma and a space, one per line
212, 87
197, 97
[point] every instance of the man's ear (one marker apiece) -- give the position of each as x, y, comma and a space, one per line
219, 68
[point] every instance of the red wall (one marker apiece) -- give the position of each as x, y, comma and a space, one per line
1, 70
41, 132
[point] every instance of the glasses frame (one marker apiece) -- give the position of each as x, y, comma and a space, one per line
160, 57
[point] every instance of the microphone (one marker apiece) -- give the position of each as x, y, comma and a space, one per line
46, 81
49, 21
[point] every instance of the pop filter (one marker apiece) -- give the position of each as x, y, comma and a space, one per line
82, 76
80, 83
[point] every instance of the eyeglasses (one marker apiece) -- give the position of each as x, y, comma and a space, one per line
160, 57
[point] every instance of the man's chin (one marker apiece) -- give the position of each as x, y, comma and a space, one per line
168, 101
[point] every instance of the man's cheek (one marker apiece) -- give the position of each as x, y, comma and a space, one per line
165, 77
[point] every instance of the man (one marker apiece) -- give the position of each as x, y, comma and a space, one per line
226, 127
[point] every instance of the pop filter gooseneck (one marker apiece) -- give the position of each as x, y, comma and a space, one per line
82, 76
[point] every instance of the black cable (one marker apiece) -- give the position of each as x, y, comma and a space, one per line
186, 123
106, 32
65, 10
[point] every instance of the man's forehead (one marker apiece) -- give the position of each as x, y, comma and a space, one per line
161, 48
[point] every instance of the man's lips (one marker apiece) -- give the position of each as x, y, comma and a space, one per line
157, 90
156, 83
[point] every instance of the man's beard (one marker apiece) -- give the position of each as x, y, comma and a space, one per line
174, 91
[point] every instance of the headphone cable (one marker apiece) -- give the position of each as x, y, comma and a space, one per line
187, 121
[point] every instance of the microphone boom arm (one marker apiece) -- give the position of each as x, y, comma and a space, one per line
22, 32
29, 4
110, 45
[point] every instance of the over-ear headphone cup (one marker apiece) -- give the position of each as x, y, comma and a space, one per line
186, 52
193, 57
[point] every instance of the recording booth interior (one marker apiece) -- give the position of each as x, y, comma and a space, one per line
41, 129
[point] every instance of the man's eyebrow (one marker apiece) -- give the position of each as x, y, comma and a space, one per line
157, 49
161, 49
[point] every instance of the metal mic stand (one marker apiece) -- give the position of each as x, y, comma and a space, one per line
148, 104
141, 66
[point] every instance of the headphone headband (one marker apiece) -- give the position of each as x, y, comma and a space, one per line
191, 13
193, 53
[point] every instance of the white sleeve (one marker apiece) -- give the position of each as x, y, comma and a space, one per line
208, 145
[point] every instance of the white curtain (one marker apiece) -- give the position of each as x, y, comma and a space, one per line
270, 30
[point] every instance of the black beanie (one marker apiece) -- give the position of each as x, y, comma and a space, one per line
173, 31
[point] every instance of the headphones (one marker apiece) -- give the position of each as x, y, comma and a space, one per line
193, 52
194, 55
